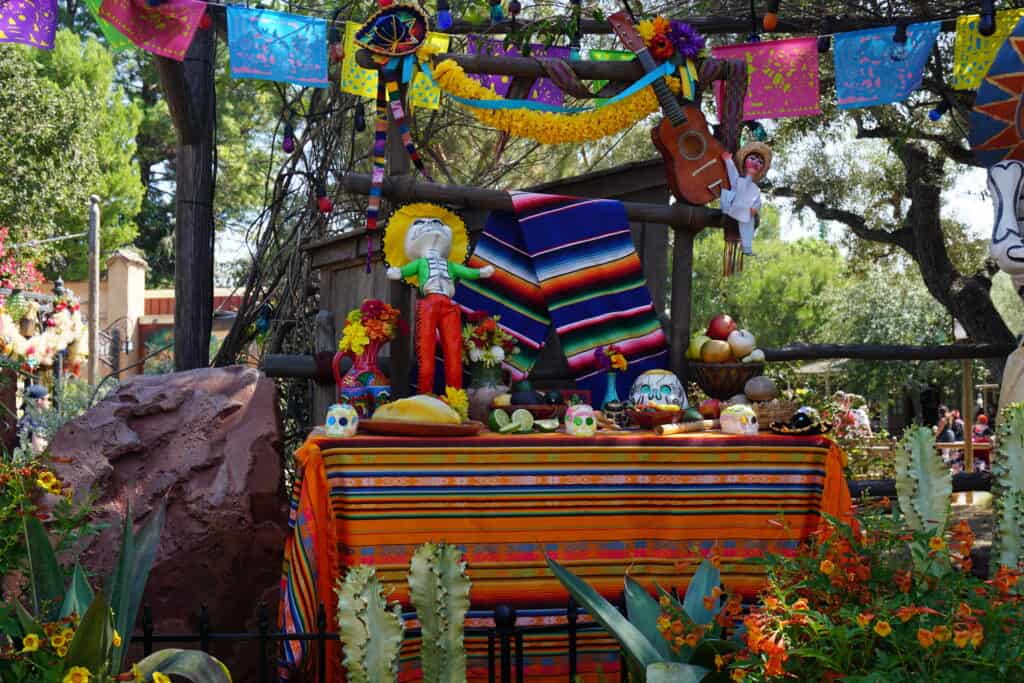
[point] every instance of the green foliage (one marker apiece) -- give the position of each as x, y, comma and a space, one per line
439, 590
1008, 489
923, 482
197, 667
68, 133
371, 631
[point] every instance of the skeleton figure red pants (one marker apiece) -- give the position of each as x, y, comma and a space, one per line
436, 312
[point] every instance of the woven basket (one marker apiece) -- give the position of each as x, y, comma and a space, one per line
724, 380
775, 410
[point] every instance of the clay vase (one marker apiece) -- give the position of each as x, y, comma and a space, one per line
485, 382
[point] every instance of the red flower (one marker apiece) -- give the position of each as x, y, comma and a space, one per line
372, 308
661, 47
475, 317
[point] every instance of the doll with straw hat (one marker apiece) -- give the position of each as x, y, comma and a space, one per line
743, 200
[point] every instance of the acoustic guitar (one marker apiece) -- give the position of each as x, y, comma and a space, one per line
692, 154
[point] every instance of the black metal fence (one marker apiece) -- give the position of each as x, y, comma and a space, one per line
505, 641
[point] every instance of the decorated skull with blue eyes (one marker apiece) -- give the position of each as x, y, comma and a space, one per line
659, 387
580, 420
342, 420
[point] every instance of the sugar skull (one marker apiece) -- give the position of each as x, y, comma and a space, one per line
739, 419
580, 420
342, 420
660, 387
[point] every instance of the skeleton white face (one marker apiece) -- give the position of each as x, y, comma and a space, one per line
580, 420
428, 237
739, 420
342, 420
660, 387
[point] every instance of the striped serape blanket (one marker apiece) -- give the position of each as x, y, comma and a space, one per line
652, 506
568, 262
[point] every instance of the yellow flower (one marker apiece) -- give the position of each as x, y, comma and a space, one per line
354, 316
646, 29
941, 633
62, 650
936, 543
664, 602
160, 678
58, 640
47, 480
68, 634
883, 628
827, 567
664, 623
354, 338
137, 676
458, 400
619, 361
55, 488
719, 662
30, 643
117, 639
78, 674
864, 619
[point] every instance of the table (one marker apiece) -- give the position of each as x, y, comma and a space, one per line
624, 501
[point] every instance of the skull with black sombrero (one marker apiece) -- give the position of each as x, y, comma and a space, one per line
395, 31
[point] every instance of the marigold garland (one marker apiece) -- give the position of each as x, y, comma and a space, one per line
549, 128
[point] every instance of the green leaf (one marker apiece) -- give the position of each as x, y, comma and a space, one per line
45, 576
674, 672
637, 647
643, 612
91, 642
425, 593
704, 581
137, 555
79, 594
456, 586
28, 623
194, 665
704, 654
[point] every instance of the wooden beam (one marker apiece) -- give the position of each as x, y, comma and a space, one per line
526, 67
877, 488
887, 352
680, 216
682, 302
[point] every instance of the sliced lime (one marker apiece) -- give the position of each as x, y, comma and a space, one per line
546, 425
523, 419
498, 419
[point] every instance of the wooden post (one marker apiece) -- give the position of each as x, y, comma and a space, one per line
400, 293
682, 283
189, 90
967, 412
94, 290
324, 396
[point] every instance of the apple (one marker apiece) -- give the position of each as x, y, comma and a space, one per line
693, 350
715, 351
710, 409
755, 356
741, 342
721, 326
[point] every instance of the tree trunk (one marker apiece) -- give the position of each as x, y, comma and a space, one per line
189, 89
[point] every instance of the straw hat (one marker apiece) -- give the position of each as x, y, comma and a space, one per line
760, 149
402, 219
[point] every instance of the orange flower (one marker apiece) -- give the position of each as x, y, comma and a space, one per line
801, 605
864, 619
925, 637
905, 614
692, 639
936, 544
827, 567
977, 635
677, 627
941, 633
771, 603
738, 674
961, 637
709, 603
902, 580
883, 628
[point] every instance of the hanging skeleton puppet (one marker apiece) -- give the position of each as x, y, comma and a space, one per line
393, 34
1005, 182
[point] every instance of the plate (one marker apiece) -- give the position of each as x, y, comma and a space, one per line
403, 428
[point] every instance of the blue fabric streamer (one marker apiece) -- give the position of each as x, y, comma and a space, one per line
276, 46
871, 70
665, 69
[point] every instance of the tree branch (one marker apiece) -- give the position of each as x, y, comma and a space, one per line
902, 237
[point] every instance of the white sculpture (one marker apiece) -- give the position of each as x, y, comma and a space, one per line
658, 386
739, 420
342, 420
580, 420
1005, 180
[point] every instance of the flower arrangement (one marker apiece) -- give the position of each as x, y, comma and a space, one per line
883, 603
483, 340
16, 274
375, 322
671, 38
63, 328
610, 358
549, 128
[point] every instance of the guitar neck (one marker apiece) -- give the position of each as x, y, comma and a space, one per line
666, 99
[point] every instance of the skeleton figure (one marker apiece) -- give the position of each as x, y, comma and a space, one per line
1005, 181
739, 420
742, 200
428, 243
658, 386
580, 420
342, 420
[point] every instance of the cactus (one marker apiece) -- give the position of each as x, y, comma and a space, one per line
370, 630
1008, 488
923, 483
439, 590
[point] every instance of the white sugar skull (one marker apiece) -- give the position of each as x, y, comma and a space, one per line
342, 420
580, 420
660, 387
739, 419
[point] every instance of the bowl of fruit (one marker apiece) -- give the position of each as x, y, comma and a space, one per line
651, 415
542, 405
724, 358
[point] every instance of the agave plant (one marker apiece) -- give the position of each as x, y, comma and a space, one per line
648, 654
371, 630
1008, 489
73, 631
923, 482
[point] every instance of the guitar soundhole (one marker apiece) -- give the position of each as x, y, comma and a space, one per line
692, 145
